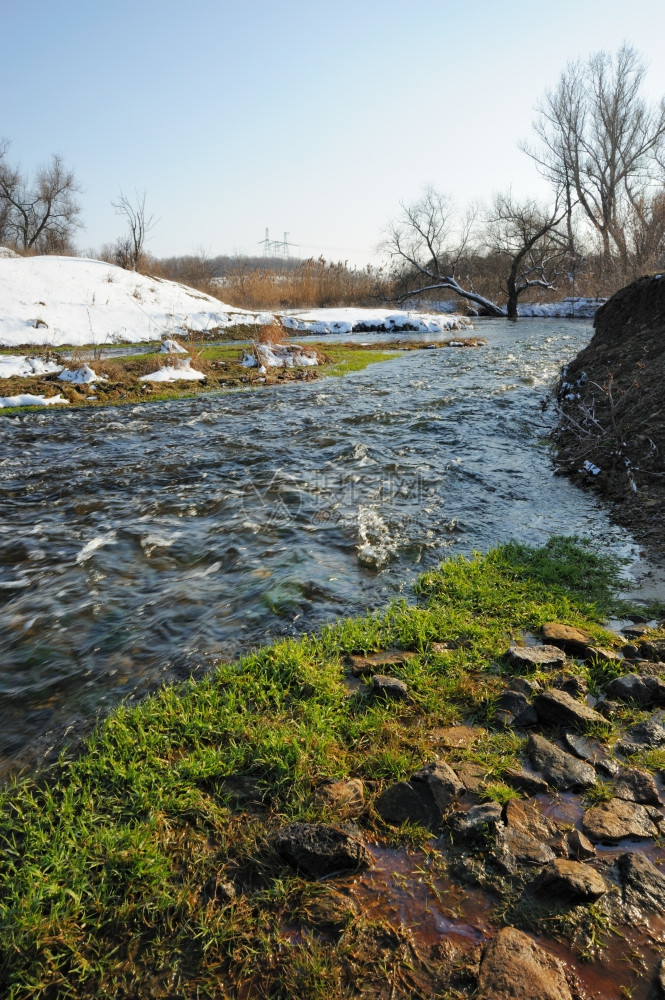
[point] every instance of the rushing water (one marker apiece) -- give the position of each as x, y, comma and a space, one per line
140, 543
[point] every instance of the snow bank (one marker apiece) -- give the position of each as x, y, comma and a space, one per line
27, 399
17, 366
174, 373
279, 356
342, 321
81, 376
72, 300
574, 307
172, 347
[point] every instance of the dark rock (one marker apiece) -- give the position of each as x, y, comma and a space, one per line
471, 775
642, 884
653, 650
572, 684
390, 688
516, 703
571, 881
371, 662
658, 982
647, 735
559, 769
597, 654
514, 849
536, 657
514, 967
404, 802
644, 691
344, 798
331, 910
579, 847
442, 782
593, 753
503, 718
522, 686
525, 816
634, 785
318, 849
477, 822
606, 707
560, 708
613, 820
525, 781
635, 631
630, 651
572, 640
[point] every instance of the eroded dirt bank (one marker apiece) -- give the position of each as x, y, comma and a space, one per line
611, 431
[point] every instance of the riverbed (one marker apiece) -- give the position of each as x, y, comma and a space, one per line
140, 544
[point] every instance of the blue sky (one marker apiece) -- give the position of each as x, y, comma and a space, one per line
316, 118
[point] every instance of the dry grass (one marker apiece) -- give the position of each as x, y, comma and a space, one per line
313, 284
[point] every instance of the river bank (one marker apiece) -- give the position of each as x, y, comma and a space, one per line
162, 860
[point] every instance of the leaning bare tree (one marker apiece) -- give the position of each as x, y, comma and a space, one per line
600, 141
40, 214
525, 237
428, 257
129, 250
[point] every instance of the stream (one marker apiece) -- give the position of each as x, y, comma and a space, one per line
141, 544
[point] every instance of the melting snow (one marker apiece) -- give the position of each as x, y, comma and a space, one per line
28, 399
81, 376
172, 347
173, 373
279, 356
18, 366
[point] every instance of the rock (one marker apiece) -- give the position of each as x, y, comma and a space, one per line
444, 647
520, 709
332, 909
613, 820
390, 688
572, 640
513, 967
442, 782
579, 847
522, 686
598, 654
570, 880
653, 650
634, 785
344, 798
404, 802
559, 769
658, 982
503, 718
573, 684
524, 816
318, 849
471, 775
560, 709
630, 651
515, 848
525, 781
635, 631
457, 736
644, 691
606, 707
642, 884
477, 821
371, 662
642, 736
536, 657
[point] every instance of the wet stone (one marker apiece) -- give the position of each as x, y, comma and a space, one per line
344, 798
635, 631
658, 983
561, 770
616, 819
560, 708
442, 782
642, 884
371, 662
477, 821
514, 967
390, 688
571, 881
471, 775
331, 910
318, 849
572, 640
536, 657
525, 781
517, 705
647, 735
515, 848
404, 802
654, 649
525, 816
634, 785
643, 690
630, 651
578, 846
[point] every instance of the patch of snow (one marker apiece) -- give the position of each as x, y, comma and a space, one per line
573, 307
590, 467
7, 253
28, 399
17, 366
174, 373
81, 376
279, 356
348, 320
172, 347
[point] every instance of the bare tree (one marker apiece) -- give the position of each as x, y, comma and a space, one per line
600, 141
525, 235
421, 243
129, 249
42, 215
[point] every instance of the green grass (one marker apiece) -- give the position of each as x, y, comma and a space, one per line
104, 861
